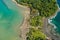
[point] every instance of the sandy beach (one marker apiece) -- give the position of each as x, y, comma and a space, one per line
25, 25
20, 5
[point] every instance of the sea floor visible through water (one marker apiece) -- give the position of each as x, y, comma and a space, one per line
10, 18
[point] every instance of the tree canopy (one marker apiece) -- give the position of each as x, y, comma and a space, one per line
45, 8
36, 34
38, 10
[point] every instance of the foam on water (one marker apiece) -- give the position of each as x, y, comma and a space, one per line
56, 22
56, 19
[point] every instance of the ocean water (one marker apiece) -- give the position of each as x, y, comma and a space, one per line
56, 20
58, 2
10, 19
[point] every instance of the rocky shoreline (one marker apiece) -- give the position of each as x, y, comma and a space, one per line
24, 28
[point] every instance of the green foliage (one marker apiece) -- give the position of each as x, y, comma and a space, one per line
46, 8
35, 34
36, 21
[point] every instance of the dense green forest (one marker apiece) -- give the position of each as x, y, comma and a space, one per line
36, 34
45, 7
41, 8
38, 10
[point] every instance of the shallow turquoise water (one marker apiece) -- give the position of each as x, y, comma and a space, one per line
10, 18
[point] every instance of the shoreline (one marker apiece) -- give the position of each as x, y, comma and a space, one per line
24, 27
20, 4
50, 18
52, 24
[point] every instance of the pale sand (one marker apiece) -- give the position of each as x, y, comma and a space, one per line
20, 5
25, 26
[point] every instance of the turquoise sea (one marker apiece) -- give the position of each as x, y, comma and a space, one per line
10, 19
56, 19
